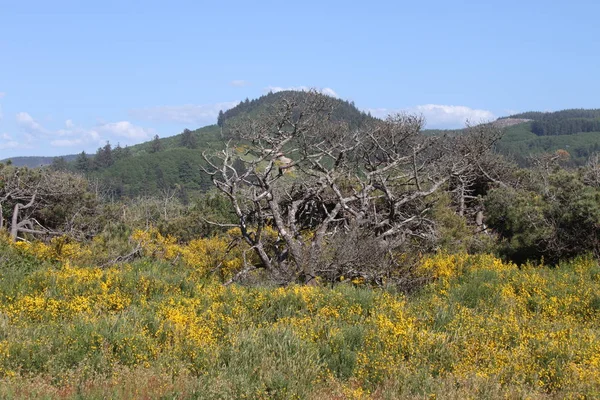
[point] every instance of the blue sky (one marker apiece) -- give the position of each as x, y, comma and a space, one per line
74, 74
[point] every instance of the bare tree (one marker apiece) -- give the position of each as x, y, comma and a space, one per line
32, 194
314, 179
591, 171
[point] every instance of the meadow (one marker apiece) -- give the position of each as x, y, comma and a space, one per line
163, 327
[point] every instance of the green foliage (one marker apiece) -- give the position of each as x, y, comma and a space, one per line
104, 157
83, 163
454, 234
59, 164
520, 142
565, 122
149, 173
156, 145
560, 219
188, 139
576, 131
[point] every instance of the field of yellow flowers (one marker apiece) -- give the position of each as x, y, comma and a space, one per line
165, 327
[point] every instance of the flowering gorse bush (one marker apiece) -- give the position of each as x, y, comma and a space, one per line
162, 327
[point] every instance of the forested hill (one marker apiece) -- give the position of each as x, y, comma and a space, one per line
565, 122
175, 162
344, 110
576, 131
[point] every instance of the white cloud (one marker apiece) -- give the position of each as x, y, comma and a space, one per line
125, 129
197, 115
239, 83
28, 124
75, 135
11, 144
66, 142
441, 116
2, 94
7, 142
326, 91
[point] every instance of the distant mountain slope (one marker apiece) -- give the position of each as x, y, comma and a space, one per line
146, 171
34, 162
176, 160
565, 122
176, 163
577, 131
520, 142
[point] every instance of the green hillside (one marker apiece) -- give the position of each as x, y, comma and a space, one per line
144, 171
577, 131
344, 110
565, 122
176, 161
520, 142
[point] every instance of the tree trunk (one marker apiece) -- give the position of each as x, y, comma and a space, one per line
14, 226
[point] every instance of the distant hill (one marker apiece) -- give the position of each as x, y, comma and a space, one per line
177, 163
35, 162
576, 131
146, 172
565, 122
343, 111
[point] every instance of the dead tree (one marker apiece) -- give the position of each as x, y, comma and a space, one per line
591, 171
335, 180
484, 170
32, 196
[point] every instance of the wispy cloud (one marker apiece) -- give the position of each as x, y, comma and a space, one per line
327, 91
439, 116
75, 135
125, 129
193, 114
9, 142
2, 94
29, 125
239, 83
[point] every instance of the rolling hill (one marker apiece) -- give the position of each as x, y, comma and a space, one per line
176, 160
179, 159
576, 131
35, 162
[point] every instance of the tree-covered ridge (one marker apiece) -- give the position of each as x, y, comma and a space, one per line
562, 114
565, 122
176, 161
37, 161
344, 110
520, 143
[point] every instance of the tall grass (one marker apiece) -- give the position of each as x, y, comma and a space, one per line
161, 329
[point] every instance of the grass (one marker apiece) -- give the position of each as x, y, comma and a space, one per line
161, 329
